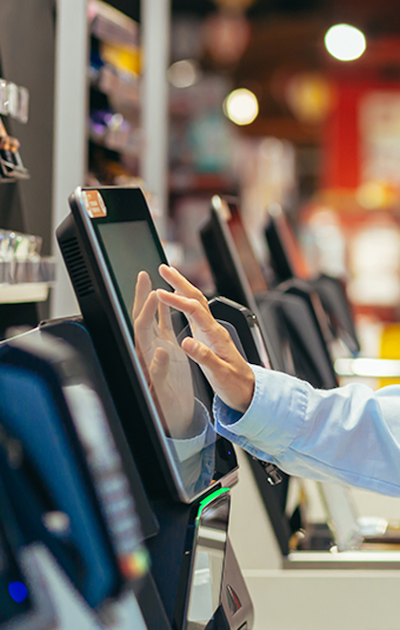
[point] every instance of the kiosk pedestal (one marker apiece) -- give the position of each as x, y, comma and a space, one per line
196, 579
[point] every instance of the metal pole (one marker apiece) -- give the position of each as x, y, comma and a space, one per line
70, 138
155, 46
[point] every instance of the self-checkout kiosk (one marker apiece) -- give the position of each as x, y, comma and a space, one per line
292, 273
187, 470
96, 410
266, 573
293, 342
122, 512
237, 275
291, 330
25, 601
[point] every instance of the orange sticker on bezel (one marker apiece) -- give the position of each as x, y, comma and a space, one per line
94, 204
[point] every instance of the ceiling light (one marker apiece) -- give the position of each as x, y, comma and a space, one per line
241, 106
345, 42
183, 73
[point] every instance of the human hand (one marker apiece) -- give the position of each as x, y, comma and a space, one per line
163, 360
211, 346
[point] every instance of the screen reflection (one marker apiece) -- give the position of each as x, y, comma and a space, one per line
180, 394
175, 383
162, 359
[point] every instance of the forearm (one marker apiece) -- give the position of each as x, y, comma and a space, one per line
349, 434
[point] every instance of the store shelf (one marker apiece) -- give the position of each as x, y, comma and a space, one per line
24, 292
114, 134
27, 271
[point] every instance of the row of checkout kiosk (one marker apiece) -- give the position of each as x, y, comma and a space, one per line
115, 490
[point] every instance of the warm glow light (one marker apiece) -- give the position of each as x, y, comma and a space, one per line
183, 73
371, 195
345, 42
241, 106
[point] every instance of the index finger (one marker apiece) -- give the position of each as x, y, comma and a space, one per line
181, 284
193, 309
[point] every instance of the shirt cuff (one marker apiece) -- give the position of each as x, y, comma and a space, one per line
274, 418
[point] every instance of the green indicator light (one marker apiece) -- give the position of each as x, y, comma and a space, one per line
210, 499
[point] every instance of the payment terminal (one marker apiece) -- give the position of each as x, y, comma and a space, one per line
65, 477
24, 596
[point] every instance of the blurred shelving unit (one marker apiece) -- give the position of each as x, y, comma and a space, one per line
22, 293
25, 276
91, 40
25, 279
114, 132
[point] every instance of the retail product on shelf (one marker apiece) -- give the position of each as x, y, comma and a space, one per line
109, 24
14, 102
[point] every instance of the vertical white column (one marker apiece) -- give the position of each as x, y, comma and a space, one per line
155, 33
70, 140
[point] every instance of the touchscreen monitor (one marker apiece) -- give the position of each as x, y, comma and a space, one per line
228, 271
287, 259
112, 252
229, 210
237, 273
289, 262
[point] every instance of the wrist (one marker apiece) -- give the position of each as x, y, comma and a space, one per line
248, 384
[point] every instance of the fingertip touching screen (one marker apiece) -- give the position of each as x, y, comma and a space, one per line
122, 253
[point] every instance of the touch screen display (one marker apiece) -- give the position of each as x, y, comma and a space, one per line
247, 257
284, 232
181, 395
130, 249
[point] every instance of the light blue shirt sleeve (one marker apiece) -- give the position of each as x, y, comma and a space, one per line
349, 434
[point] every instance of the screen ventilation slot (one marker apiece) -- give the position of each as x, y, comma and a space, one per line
76, 267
